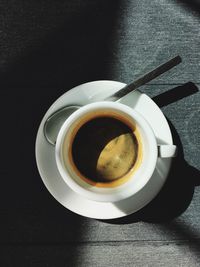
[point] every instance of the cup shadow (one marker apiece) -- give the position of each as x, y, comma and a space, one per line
177, 192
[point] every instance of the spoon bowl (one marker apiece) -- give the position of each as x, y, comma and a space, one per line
55, 121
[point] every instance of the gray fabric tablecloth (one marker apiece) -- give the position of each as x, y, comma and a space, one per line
46, 48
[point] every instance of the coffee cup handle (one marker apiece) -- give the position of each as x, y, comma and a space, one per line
167, 151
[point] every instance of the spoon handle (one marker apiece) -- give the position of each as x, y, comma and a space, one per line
146, 78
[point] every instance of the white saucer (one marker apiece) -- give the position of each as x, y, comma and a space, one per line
84, 94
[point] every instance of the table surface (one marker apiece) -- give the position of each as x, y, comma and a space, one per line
48, 47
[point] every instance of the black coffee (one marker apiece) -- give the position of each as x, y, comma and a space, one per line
104, 149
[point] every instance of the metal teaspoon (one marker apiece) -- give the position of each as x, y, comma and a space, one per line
55, 121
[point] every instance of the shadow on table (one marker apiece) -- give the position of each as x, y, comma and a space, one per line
177, 193
73, 52
192, 4
175, 94
184, 231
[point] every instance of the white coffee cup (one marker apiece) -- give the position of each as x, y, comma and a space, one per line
151, 150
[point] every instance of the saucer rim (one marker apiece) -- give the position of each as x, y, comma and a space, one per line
52, 110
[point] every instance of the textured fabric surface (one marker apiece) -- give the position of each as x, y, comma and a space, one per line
46, 48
